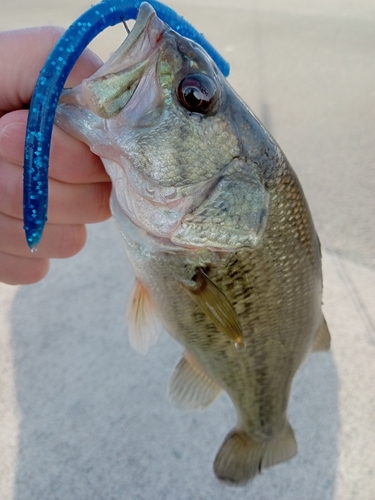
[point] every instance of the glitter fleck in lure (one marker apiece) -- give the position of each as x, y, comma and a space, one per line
51, 82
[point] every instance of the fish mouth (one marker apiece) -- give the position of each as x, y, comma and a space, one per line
110, 89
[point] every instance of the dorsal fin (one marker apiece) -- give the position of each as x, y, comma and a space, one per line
143, 323
215, 304
190, 387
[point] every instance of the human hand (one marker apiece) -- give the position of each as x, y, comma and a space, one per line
79, 187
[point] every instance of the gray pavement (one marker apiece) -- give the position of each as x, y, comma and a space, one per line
83, 416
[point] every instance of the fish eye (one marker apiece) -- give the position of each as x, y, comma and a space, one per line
197, 93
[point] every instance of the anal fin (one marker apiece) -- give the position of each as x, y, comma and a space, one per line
143, 324
322, 341
190, 387
241, 458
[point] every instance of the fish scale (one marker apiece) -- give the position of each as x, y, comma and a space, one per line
254, 274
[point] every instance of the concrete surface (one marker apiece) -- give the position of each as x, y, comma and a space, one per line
84, 417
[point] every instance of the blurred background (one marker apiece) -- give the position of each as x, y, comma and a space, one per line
82, 415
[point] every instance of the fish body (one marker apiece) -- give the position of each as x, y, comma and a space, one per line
217, 230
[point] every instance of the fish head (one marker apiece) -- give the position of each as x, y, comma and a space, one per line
178, 144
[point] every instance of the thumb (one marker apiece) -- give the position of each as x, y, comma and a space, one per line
23, 54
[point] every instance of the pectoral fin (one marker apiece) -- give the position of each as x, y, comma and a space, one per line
143, 324
215, 304
190, 387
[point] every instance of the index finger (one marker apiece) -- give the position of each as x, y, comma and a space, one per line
22, 66
71, 160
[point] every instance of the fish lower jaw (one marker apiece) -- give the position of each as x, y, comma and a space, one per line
156, 218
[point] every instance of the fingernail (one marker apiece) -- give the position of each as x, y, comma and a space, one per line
12, 139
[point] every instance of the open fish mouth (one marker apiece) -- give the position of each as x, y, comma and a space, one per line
108, 91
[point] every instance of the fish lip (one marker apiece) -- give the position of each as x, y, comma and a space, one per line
147, 32
143, 26
127, 64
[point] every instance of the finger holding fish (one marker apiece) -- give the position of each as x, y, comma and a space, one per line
78, 181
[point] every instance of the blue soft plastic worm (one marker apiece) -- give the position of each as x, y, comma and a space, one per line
51, 82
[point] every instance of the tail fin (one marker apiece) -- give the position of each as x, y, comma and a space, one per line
240, 458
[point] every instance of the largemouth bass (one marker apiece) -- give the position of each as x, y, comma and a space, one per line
217, 230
